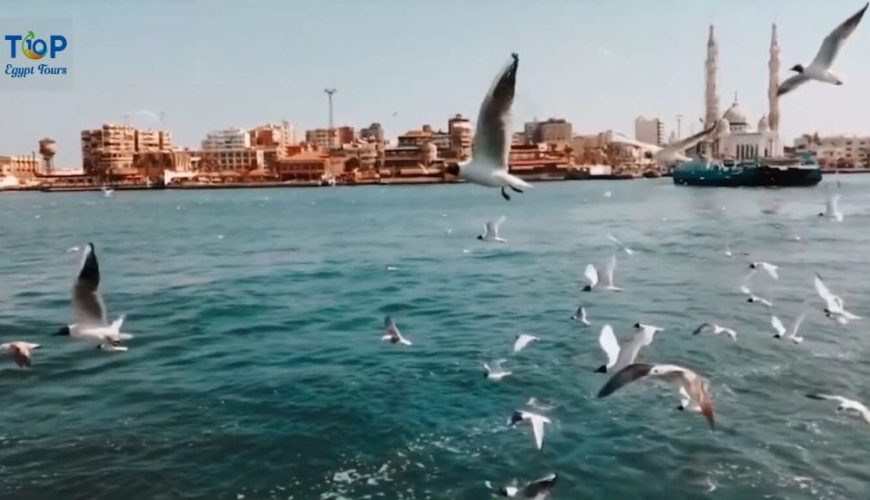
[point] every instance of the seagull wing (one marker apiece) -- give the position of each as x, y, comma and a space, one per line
770, 269
688, 142
390, 327
541, 488
88, 306
492, 137
791, 83
489, 230
701, 328
839, 399
522, 341
796, 324
825, 292
609, 344
609, 269
624, 377
538, 429
833, 42
777, 325
591, 274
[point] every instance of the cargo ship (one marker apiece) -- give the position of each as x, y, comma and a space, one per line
785, 172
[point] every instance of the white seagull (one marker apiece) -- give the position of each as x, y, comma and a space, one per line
536, 490
392, 333
694, 385
716, 329
624, 248
606, 279
832, 209
523, 340
834, 306
791, 331
820, 68
490, 231
20, 352
580, 315
850, 406
618, 357
537, 422
766, 267
673, 152
89, 309
492, 139
755, 299
496, 372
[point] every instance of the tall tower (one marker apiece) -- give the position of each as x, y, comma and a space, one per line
772, 88
711, 94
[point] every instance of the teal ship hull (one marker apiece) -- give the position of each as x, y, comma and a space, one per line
778, 172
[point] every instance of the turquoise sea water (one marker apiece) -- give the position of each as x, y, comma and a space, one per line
257, 370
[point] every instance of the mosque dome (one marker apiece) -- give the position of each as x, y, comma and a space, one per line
735, 115
763, 124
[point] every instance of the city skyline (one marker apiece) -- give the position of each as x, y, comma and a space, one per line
388, 70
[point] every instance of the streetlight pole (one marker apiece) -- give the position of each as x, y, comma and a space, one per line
679, 131
330, 92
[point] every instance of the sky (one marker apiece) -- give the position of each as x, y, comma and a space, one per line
209, 65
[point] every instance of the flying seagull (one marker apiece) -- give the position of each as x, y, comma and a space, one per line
20, 352
618, 357
537, 422
392, 333
492, 139
670, 153
694, 385
832, 208
716, 329
496, 372
834, 306
523, 340
819, 69
606, 279
536, 490
766, 267
848, 405
490, 231
755, 299
89, 309
791, 331
580, 315
624, 248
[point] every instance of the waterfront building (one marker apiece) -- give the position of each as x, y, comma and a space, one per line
427, 135
227, 139
461, 137
373, 133
110, 151
310, 166
230, 150
650, 131
839, 151
21, 168
272, 135
320, 137
554, 131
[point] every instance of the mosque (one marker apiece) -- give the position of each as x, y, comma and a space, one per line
737, 139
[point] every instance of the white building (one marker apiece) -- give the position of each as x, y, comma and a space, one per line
228, 139
650, 131
849, 150
739, 141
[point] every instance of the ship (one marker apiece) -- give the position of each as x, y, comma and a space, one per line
786, 172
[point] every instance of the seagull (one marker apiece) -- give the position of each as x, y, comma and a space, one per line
537, 422
754, 298
686, 402
728, 252
618, 356
20, 352
670, 153
523, 340
490, 231
847, 405
624, 248
392, 333
608, 194
767, 267
717, 330
492, 139
819, 69
496, 372
834, 307
536, 490
580, 315
832, 209
791, 332
694, 385
591, 274
107, 191
89, 309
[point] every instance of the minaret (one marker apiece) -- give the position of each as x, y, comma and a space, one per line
711, 95
773, 87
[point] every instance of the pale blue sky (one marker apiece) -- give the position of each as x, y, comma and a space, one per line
214, 64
